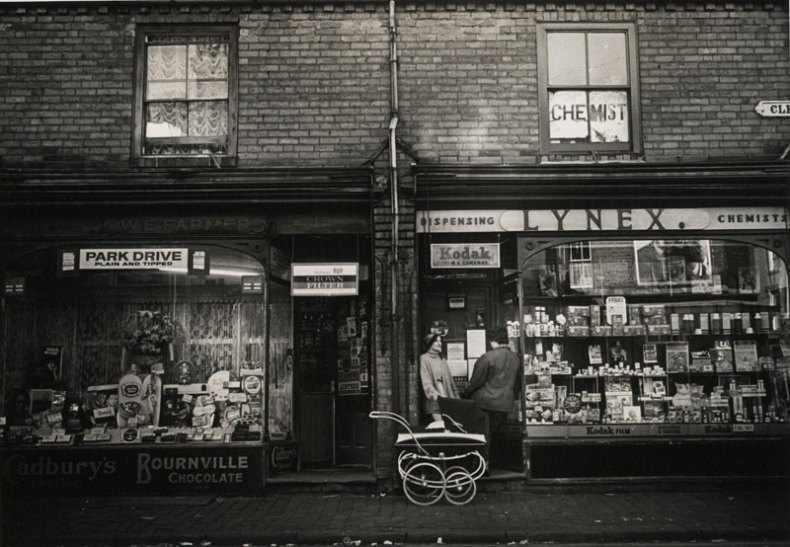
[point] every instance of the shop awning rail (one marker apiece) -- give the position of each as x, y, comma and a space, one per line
605, 184
186, 186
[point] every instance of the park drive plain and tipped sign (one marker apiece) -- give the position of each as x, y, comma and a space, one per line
773, 109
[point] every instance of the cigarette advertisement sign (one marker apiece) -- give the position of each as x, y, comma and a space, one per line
133, 259
325, 279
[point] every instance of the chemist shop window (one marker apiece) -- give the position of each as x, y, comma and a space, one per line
185, 99
589, 89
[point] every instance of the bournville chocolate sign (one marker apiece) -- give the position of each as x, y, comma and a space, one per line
134, 470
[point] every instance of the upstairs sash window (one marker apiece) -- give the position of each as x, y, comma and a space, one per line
187, 92
589, 89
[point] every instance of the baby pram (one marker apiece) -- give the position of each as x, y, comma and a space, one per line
438, 463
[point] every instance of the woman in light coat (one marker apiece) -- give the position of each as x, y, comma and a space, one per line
437, 381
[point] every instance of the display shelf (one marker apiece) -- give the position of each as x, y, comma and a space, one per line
654, 430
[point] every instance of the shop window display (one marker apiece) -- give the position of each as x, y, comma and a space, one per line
680, 331
102, 351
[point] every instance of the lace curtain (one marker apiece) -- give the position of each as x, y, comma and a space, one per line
187, 88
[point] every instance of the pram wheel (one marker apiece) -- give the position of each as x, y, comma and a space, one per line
460, 487
423, 483
429, 475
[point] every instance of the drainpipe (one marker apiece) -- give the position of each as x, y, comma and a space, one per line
393, 168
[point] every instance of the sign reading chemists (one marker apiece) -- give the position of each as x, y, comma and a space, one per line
592, 220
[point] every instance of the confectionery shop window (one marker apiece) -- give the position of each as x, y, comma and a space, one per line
588, 88
135, 345
655, 331
185, 98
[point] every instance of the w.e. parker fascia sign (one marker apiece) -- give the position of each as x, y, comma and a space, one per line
598, 220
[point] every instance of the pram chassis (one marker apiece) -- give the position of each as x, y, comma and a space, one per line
427, 477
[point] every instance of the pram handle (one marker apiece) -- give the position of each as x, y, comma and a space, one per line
401, 421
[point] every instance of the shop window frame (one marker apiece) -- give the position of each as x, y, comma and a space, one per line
143, 33
631, 88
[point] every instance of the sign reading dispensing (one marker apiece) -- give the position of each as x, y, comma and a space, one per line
323, 279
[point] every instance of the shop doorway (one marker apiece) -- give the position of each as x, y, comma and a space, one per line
332, 381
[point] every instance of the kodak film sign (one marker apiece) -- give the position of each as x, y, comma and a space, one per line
599, 220
463, 255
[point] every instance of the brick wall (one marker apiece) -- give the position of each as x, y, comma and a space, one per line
314, 91
314, 83
469, 77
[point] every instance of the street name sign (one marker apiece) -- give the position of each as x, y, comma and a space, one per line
773, 109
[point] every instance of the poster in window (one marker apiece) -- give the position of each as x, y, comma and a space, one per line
594, 354
722, 356
748, 282
678, 262
632, 414
547, 280
649, 353
745, 352
677, 357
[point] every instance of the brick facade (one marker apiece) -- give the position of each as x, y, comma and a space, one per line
314, 91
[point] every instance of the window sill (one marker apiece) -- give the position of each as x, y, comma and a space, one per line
215, 162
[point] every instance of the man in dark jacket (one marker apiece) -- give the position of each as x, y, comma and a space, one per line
496, 380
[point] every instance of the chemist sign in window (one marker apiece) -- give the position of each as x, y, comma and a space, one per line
588, 88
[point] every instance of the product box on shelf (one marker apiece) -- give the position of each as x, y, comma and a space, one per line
634, 314
701, 362
745, 354
577, 331
704, 323
595, 315
677, 357
578, 311
601, 330
652, 310
578, 321
659, 330
540, 400
722, 357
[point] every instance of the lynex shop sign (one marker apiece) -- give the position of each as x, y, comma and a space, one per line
463, 255
598, 220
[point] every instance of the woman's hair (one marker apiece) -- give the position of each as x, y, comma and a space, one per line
429, 340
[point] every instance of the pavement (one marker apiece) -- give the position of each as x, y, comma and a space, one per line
690, 513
